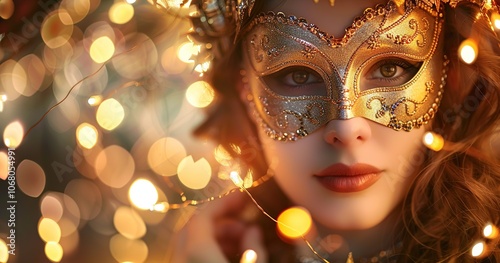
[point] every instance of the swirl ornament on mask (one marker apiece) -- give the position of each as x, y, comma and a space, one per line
275, 43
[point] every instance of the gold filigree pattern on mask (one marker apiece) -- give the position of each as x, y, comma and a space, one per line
275, 42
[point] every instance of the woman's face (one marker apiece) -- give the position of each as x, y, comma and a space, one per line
356, 108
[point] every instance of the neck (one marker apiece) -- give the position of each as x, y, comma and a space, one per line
365, 243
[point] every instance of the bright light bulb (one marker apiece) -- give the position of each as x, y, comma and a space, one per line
249, 256
95, 100
161, 207
478, 249
433, 141
495, 17
490, 231
235, 177
468, 51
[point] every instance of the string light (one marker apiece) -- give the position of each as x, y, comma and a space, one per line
95, 100
495, 18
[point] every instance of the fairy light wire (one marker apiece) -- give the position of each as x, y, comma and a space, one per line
244, 189
72, 88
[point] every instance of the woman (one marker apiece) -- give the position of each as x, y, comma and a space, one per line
333, 102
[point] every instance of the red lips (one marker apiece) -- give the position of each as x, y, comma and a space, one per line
345, 179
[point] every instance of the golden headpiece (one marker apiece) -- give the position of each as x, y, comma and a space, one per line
216, 21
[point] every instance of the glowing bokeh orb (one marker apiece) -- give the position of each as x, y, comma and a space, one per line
34, 68
121, 12
76, 9
165, 155
102, 49
55, 33
294, 222
110, 114
114, 166
478, 249
30, 178
49, 230
186, 51
249, 256
13, 134
127, 250
468, 51
143, 194
4, 251
86, 135
129, 223
200, 94
54, 251
87, 197
51, 207
6, 11
4, 165
194, 175
495, 17
433, 141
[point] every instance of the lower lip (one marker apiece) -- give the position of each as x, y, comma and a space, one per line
348, 184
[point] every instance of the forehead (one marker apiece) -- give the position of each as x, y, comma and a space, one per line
333, 20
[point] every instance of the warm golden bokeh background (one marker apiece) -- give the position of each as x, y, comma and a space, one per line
102, 176
99, 99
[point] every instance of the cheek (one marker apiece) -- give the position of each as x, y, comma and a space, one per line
404, 154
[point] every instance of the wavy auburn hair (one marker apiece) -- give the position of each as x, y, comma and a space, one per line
457, 190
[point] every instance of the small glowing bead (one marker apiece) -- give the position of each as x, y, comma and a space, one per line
433, 141
478, 249
490, 231
235, 177
249, 256
468, 51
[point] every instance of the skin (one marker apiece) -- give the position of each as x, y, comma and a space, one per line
357, 217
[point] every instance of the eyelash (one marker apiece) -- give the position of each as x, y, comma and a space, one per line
289, 71
408, 68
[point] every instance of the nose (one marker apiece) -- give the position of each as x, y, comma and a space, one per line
350, 132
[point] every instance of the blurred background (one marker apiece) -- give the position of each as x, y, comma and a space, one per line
98, 100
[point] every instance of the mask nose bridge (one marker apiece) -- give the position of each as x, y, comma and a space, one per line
340, 93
